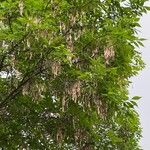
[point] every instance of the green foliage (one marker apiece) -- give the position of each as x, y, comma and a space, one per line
65, 67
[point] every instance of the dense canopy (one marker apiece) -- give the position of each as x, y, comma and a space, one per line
65, 68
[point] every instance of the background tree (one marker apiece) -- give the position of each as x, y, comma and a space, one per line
65, 67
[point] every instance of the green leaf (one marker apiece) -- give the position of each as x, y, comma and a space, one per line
136, 97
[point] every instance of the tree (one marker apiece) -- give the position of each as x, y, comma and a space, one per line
65, 70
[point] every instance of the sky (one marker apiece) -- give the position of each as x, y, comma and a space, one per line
141, 84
